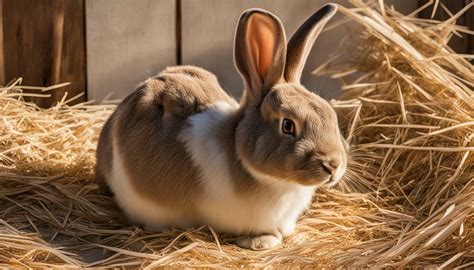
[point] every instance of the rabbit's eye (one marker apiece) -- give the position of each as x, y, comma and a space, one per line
287, 126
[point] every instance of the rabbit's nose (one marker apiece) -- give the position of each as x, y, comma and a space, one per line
332, 165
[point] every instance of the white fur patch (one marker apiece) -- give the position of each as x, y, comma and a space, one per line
138, 208
205, 151
296, 198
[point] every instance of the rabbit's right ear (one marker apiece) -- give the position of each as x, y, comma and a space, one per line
259, 52
301, 42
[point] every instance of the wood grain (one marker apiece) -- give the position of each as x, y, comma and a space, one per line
127, 41
44, 44
2, 60
73, 51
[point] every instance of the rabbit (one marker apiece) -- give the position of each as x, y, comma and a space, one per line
180, 152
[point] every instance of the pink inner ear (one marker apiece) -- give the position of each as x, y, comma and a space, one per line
261, 33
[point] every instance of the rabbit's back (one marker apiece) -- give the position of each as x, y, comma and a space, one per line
182, 91
140, 156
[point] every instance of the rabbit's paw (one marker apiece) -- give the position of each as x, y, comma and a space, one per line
260, 242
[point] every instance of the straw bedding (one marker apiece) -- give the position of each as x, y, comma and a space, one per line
408, 199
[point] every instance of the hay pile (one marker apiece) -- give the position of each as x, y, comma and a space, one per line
408, 200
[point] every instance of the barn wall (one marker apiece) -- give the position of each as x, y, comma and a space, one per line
105, 48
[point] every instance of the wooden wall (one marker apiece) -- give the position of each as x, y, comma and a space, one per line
119, 35
107, 47
127, 42
44, 42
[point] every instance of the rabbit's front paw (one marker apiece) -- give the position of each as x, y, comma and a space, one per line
260, 242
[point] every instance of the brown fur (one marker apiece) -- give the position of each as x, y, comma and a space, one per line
300, 43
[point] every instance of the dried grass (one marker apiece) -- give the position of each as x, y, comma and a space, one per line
408, 199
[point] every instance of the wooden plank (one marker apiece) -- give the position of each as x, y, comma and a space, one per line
39, 39
127, 41
2, 60
208, 31
72, 67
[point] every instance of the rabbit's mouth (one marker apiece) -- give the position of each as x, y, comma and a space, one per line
317, 173
337, 176
317, 179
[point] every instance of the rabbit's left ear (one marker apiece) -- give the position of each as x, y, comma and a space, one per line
300, 44
259, 52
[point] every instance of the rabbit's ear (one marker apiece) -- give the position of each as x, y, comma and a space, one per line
259, 52
301, 42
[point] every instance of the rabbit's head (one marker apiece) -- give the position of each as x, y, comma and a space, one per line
287, 132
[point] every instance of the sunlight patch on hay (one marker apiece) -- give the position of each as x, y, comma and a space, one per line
408, 199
